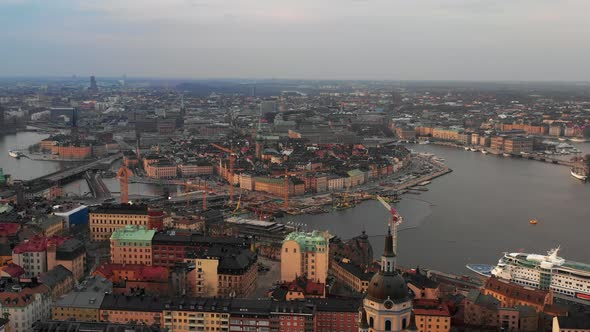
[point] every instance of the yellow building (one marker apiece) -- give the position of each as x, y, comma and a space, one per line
350, 275
203, 280
432, 316
83, 303
105, 219
194, 314
305, 255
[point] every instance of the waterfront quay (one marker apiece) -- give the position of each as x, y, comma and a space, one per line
530, 156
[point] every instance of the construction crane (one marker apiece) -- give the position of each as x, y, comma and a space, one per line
231, 168
124, 174
188, 185
396, 219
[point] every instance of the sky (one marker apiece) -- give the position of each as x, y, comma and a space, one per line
521, 40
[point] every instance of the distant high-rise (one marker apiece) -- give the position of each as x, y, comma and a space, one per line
93, 86
268, 106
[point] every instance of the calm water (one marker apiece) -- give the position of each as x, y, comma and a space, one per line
25, 169
478, 211
469, 216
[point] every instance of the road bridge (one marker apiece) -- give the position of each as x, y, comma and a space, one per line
77, 170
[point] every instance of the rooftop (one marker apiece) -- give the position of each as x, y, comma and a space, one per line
308, 241
55, 276
88, 294
121, 209
38, 243
133, 233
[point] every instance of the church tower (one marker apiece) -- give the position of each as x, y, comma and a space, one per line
387, 305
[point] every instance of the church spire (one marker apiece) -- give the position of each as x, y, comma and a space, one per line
388, 257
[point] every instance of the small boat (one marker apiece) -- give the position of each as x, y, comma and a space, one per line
506, 154
484, 151
483, 270
466, 148
473, 149
578, 175
15, 153
578, 139
562, 139
533, 221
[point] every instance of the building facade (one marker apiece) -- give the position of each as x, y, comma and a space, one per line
305, 255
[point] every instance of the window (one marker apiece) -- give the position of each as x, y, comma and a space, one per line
371, 322
388, 325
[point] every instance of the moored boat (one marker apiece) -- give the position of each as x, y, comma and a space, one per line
483, 270
567, 279
578, 174
15, 153
484, 151
506, 154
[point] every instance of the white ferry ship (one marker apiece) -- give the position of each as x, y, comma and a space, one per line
567, 279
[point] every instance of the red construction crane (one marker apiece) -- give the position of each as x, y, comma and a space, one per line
231, 168
396, 219
123, 174
188, 185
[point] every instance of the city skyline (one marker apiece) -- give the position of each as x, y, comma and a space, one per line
374, 40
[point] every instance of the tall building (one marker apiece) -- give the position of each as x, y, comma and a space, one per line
105, 219
132, 245
93, 86
387, 305
305, 255
268, 106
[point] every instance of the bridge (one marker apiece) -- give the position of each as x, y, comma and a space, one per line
77, 170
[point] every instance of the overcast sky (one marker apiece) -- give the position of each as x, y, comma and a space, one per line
318, 39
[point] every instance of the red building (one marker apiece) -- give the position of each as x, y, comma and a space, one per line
129, 277
336, 315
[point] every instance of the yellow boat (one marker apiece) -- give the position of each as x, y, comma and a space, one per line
533, 221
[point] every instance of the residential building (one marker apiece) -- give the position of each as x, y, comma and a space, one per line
25, 306
70, 254
194, 169
481, 310
350, 275
511, 295
221, 271
422, 286
250, 315
161, 169
336, 314
132, 244
58, 280
125, 308
31, 254
130, 278
194, 314
105, 219
305, 255
517, 145
432, 316
82, 303
292, 316
85, 326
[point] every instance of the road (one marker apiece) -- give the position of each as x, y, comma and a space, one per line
66, 173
